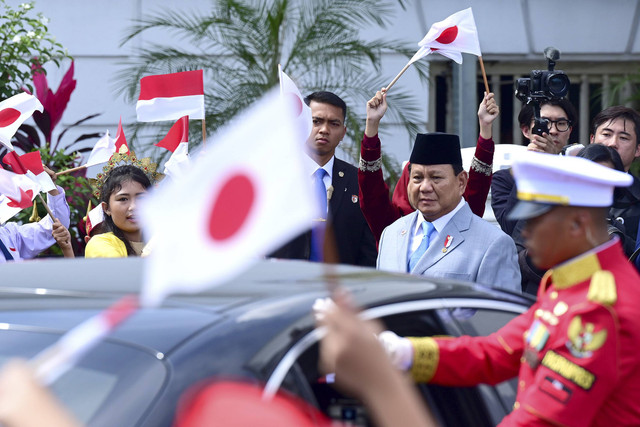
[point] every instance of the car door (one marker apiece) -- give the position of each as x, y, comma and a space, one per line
298, 373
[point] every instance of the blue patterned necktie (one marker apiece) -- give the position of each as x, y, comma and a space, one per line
427, 230
317, 233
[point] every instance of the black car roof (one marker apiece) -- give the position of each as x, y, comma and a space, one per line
55, 295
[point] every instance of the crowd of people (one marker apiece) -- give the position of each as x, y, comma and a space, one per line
568, 235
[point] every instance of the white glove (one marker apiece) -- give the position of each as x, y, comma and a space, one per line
399, 349
322, 306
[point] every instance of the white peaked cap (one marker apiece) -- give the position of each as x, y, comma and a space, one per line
547, 180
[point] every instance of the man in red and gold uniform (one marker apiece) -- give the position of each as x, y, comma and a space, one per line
575, 351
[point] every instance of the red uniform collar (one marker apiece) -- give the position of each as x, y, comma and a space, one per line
580, 268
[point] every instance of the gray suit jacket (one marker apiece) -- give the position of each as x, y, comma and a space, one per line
479, 252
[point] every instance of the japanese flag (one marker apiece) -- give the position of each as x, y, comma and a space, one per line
455, 35
244, 197
13, 112
30, 162
177, 141
17, 192
302, 111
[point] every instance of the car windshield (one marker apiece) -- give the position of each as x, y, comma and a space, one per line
112, 375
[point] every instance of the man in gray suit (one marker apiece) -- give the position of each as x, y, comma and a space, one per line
443, 238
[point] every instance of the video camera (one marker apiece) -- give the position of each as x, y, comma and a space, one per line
543, 85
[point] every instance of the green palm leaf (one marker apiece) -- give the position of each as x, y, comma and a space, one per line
240, 43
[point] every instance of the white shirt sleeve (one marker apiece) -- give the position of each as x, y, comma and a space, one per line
26, 241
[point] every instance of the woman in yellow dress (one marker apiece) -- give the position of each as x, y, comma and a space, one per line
122, 189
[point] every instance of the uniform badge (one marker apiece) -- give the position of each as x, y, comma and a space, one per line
447, 243
556, 389
583, 338
354, 198
568, 370
538, 335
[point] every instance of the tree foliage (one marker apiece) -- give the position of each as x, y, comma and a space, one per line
240, 43
25, 46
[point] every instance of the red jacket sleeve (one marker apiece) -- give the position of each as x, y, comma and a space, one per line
480, 176
468, 361
378, 210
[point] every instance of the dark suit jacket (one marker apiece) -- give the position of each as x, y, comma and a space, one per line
354, 240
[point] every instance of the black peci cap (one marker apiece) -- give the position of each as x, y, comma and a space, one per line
436, 149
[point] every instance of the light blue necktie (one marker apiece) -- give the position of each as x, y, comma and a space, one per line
317, 233
427, 230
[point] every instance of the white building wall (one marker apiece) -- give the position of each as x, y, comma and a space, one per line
510, 30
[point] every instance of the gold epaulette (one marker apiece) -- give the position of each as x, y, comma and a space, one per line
602, 288
426, 355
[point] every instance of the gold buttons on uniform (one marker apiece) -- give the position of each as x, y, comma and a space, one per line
553, 295
560, 308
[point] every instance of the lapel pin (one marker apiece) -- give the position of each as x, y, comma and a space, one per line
447, 243
354, 198
340, 174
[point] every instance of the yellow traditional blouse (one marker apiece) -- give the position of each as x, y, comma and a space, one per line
105, 245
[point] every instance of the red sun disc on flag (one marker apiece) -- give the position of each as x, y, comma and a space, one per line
448, 35
296, 103
231, 208
8, 116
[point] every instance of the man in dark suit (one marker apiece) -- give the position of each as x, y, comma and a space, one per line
337, 179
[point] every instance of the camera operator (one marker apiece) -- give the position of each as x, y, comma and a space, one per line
546, 121
561, 116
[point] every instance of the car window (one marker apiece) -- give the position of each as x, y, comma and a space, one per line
481, 405
110, 376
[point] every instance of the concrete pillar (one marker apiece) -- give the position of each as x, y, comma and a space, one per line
465, 100
584, 110
606, 92
494, 86
517, 106
431, 113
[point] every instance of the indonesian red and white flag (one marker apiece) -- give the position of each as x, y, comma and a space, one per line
121, 141
171, 96
301, 110
13, 112
17, 192
231, 209
94, 217
177, 141
455, 35
102, 151
30, 162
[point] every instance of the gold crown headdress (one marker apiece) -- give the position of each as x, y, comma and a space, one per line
126, 158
